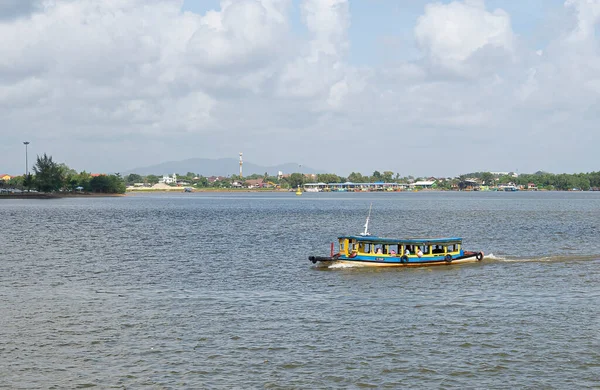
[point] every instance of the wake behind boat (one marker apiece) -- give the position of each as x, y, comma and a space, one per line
373, 251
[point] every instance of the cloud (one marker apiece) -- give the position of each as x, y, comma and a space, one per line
587, 15
245, 34
147, 81
450, 34
318, 72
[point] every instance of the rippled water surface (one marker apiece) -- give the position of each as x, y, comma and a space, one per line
216, 291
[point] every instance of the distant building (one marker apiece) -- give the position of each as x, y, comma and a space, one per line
423, 184
5, 177
255, 183
512, 174
168, 179
310, 176
213, 179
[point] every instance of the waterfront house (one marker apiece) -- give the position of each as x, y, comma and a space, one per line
255, 183
168, 179
213, 179
5, 177
422, 184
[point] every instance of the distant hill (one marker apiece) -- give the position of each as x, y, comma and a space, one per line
217, 167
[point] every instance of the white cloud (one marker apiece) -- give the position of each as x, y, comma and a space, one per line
145, 79
587, 14
320, 66
451, 33
245, 33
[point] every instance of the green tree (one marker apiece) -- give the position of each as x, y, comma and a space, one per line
328, 178
376, 176
295, 180
100, 183
356, 177
133, 178
487, 178
83, 180
111, 184
48, 174
152, 179
387, 176
28, 182
16, 182
202, 182
117, 184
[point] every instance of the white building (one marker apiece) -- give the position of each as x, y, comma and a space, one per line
423, 184
168, 180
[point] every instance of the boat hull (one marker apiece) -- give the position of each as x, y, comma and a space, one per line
467, 257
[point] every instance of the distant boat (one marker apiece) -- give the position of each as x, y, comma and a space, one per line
508, 188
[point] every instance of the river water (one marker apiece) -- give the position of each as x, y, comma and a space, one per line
215, 291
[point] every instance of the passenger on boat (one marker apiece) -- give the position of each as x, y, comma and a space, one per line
407, 252
392, 252
438, 249
379, 251
419, 253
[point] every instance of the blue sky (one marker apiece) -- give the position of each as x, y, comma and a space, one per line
382, 30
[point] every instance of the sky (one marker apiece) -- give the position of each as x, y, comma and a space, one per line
416, 87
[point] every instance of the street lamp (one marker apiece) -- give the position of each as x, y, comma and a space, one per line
26, 163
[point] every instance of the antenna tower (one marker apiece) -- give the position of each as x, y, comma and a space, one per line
241, 162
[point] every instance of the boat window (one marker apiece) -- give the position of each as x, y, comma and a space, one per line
366, 248
352, 246
452, 247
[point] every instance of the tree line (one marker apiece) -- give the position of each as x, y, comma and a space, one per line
541, 180
544, 180
50, 176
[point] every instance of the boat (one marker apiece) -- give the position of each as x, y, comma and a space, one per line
367, 250
298, 191
508, 188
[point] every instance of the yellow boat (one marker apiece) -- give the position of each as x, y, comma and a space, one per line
373, 251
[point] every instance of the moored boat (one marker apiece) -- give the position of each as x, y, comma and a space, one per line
373, 251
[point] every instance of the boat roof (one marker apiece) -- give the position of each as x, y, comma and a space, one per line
402, 240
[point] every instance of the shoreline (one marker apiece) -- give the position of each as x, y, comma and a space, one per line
38, 195
41, 195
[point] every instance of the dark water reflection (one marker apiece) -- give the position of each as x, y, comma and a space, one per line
215, 291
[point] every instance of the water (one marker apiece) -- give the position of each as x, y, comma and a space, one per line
215, 291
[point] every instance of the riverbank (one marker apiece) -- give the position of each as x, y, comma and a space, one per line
181, 190
42, 195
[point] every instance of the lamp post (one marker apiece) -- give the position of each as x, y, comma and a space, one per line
26, 163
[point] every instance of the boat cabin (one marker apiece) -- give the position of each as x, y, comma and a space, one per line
352, 246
